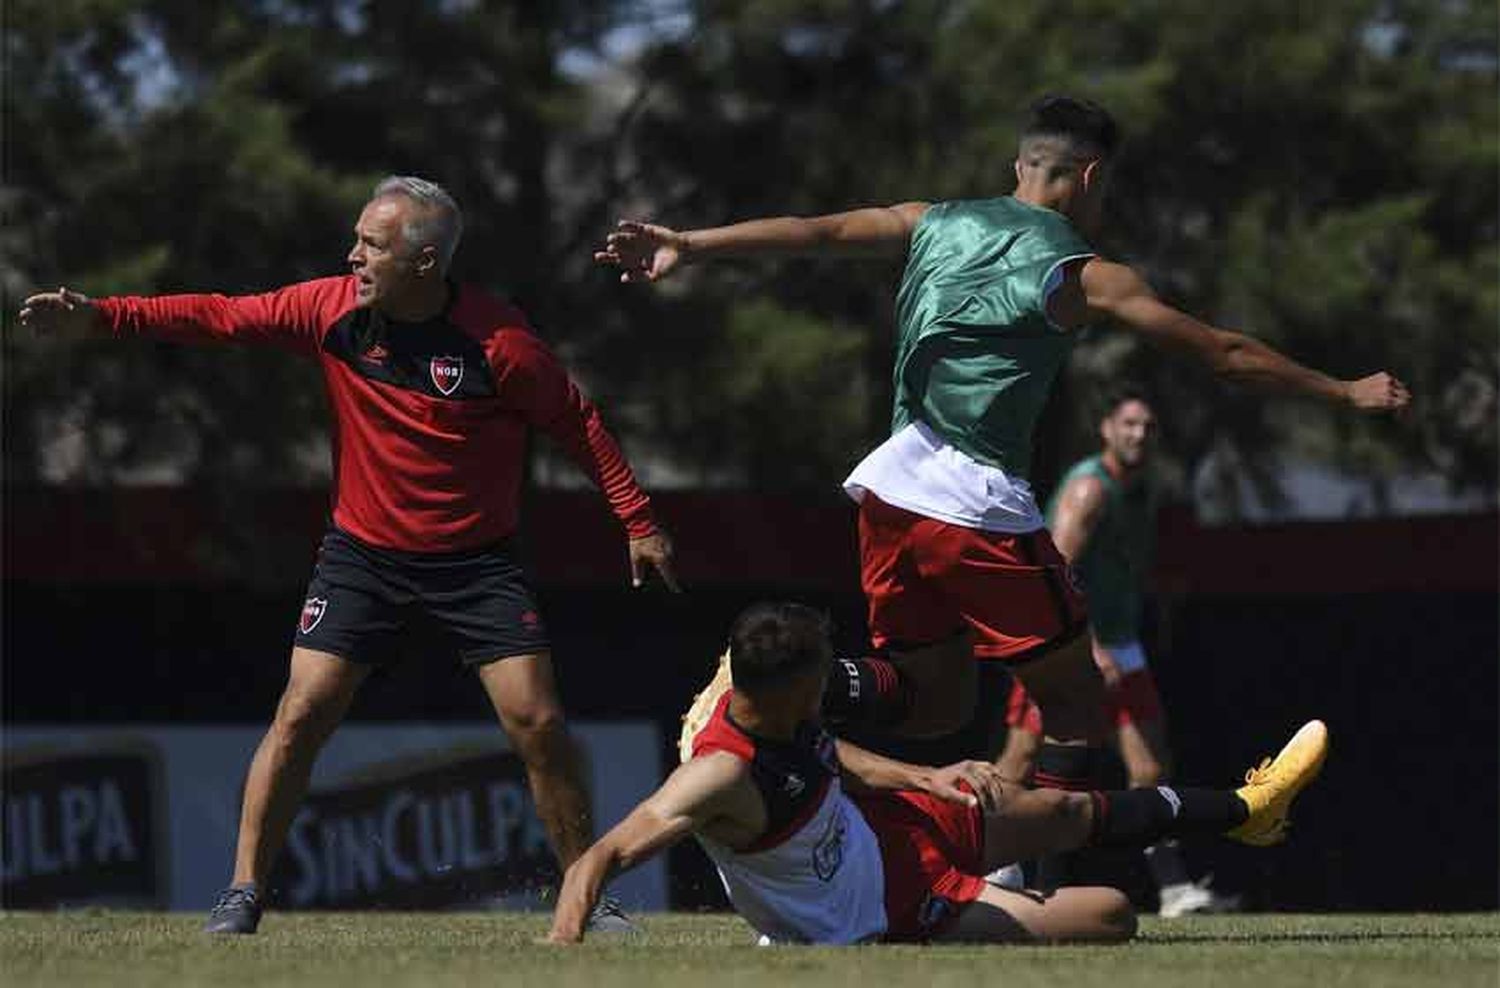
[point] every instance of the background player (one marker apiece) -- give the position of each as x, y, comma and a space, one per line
992, 298
1103, 519
434, 386
900, 856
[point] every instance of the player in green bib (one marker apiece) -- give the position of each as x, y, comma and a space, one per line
1103, 518
951, 538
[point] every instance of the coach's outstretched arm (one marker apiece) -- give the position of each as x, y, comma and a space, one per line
647, 252
1103, 289
699, 793
286, 317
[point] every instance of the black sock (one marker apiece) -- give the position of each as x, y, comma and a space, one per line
1164, 859
1076, 768
866, 693
1145, 816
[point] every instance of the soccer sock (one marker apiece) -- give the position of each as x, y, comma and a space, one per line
1145, 816
866, 693
1076, 768
1168, 868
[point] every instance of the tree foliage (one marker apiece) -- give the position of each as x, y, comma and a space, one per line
1322, 175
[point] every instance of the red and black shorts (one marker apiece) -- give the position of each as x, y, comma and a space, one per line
363, 601
925, 579
1134, 699
933, 854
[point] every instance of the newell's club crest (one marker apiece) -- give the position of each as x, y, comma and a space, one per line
312, 612
447, 372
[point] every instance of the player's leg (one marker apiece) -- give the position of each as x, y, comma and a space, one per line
483, 602
932, 852
348, 622
1032, 823
1141, 738
1134, 711
317, 696
1023, 738
1069, 691
1142, 745
1084, 913
1015, 591
522, 690
913, 692
926, 684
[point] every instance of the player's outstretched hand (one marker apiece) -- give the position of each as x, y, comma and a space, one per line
655, 551
61, 313
982, 778
642, 251
1378, 393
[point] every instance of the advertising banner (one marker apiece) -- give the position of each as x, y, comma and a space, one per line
397, 817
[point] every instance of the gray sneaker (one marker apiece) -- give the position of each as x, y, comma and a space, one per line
236, 910
609, 917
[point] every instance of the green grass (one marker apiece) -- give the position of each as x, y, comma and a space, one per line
392, 950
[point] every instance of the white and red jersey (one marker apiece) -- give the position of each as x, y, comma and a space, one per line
815, 874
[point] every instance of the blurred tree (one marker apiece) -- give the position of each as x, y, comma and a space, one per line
1321, 175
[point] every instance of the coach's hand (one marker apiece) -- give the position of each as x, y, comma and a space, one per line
656, 551
61, 313
982, 778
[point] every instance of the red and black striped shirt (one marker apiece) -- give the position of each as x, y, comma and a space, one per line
430, 418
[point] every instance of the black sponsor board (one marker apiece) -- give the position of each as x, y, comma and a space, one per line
455, 830
82, 828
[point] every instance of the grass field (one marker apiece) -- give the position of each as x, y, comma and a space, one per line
391, 950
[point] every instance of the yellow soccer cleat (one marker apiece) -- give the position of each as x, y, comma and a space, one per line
1270, 788
697, 716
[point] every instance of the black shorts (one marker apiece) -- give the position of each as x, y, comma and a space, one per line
363, 599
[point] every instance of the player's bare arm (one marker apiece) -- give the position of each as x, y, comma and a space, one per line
1105, 289
1079, 508
711, 793
648, 252
866, 771
61, 313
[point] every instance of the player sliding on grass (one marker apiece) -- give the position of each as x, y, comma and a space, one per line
819, 841
991, 302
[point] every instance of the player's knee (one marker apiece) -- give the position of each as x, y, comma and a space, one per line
302, 717
534, 728
1117, 919
1064, 813
1146, 773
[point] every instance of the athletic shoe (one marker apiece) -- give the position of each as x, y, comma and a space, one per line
1008, 877
608, 916
1185, 898
236, 910
1270, 788
702, 709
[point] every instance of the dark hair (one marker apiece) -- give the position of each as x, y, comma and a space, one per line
1085, 125
1119, 394
772, 643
